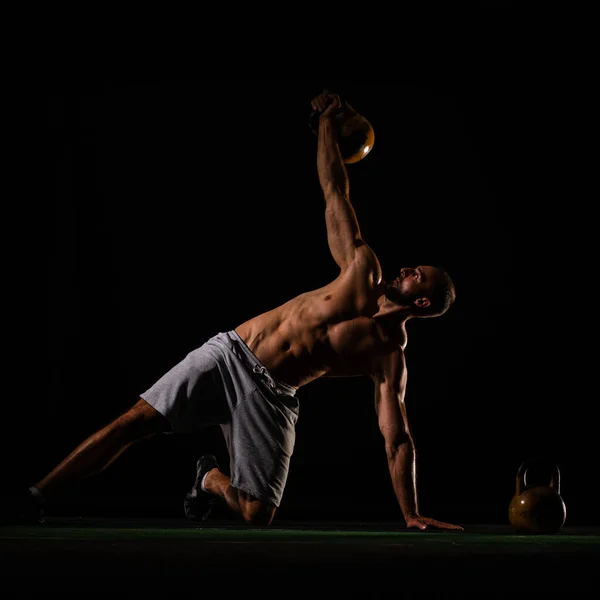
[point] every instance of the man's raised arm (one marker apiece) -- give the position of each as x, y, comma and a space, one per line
343, 232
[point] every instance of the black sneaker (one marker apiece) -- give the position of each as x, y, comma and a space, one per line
198, 504
21, 509
33, 511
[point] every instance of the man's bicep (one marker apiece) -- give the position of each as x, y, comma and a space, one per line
391, 415
390, 388
343, 231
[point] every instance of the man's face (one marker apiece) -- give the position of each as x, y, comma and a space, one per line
412, 283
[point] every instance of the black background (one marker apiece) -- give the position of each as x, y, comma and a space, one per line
175, 209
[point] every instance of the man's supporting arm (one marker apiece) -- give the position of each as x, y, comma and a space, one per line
390, 388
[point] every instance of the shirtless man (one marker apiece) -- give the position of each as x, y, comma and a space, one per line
246, 380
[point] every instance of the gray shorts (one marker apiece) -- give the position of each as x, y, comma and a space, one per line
223, 383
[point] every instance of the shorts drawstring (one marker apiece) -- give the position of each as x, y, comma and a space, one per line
263, 371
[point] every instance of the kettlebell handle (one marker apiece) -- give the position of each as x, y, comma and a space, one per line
522, 477
345, 110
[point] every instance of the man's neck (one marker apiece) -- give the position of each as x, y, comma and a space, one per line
391, 311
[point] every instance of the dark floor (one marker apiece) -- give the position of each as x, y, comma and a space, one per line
295, 558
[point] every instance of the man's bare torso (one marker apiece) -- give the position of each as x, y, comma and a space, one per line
337, 330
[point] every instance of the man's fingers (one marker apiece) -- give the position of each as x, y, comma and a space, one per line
325, 100
426, 523
449, 526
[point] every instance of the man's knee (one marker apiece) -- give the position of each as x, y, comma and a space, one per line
254, 511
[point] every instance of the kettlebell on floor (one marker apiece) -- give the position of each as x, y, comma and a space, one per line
537, 508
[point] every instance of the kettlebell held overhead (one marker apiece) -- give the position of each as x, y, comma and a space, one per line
537, 508
356, 136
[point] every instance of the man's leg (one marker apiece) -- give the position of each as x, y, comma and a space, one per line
100, 449
252, 510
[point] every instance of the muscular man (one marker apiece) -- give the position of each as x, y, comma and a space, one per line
245, 380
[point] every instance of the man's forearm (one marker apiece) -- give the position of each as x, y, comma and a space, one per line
402, 466
330, 165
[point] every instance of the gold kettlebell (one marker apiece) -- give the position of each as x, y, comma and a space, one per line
537, 508
355, 134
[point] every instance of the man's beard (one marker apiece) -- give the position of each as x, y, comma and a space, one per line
397, 296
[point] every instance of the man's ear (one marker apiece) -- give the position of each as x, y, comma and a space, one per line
422, 302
